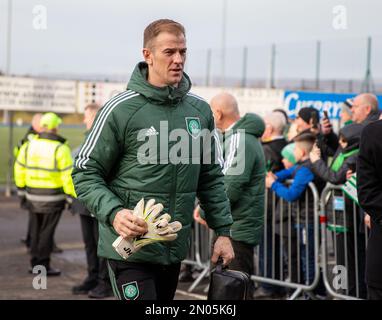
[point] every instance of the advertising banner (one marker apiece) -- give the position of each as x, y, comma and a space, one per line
330, 102
35, 94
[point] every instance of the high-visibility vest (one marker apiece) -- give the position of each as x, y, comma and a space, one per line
44, 164
29, 137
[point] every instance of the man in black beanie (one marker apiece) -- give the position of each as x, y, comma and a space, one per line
308, 120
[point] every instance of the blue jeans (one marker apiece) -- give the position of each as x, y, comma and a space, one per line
306, 246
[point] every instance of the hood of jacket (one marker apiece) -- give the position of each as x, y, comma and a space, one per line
352, 134
373, 116
52, 136
168, 95
252, 124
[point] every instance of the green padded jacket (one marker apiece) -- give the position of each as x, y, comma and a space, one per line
115, 168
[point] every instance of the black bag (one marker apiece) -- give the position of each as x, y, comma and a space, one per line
228, 284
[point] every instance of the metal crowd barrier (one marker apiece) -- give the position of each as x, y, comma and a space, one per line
200, 252
343, 243
289, 254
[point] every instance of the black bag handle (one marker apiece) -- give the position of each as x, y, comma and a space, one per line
220, 266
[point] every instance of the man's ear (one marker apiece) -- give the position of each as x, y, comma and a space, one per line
147, 55
270, 130
219, 114
368, 109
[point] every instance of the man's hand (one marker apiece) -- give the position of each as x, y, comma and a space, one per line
349, 173
326, 126
157, 228
198, 218
269, 179
271, 174
129, 225
69, 203
367, 220
223, 248
315, 154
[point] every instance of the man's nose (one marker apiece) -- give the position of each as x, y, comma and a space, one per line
178, 58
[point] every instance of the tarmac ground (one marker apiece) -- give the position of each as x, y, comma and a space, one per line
17, 283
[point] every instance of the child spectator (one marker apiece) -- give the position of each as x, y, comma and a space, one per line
302, 208
287, 153
270, 267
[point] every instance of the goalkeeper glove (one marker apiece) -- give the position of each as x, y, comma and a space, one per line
159, 229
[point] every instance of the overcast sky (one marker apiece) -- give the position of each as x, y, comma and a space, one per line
105, 36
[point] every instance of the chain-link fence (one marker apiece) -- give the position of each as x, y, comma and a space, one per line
335, 65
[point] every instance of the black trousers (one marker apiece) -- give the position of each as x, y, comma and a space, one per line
348, 258
97, 268
28, 236
43, 226
143, 281
269, 258
243, 260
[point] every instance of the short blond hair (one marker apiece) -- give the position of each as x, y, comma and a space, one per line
276, 120
305, 141
305, 145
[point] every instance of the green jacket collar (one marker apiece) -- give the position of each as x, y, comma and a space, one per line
168, 95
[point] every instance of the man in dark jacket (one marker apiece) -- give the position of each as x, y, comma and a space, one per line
244, 169
97, 283
350, 241
132, 153
308, 120
273, 142
369, 185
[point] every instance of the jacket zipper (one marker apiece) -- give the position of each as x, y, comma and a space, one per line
173, 183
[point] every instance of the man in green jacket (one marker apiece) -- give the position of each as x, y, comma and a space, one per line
244, 170
132, 153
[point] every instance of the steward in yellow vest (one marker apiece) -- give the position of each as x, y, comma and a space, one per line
43, 169
32, 133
